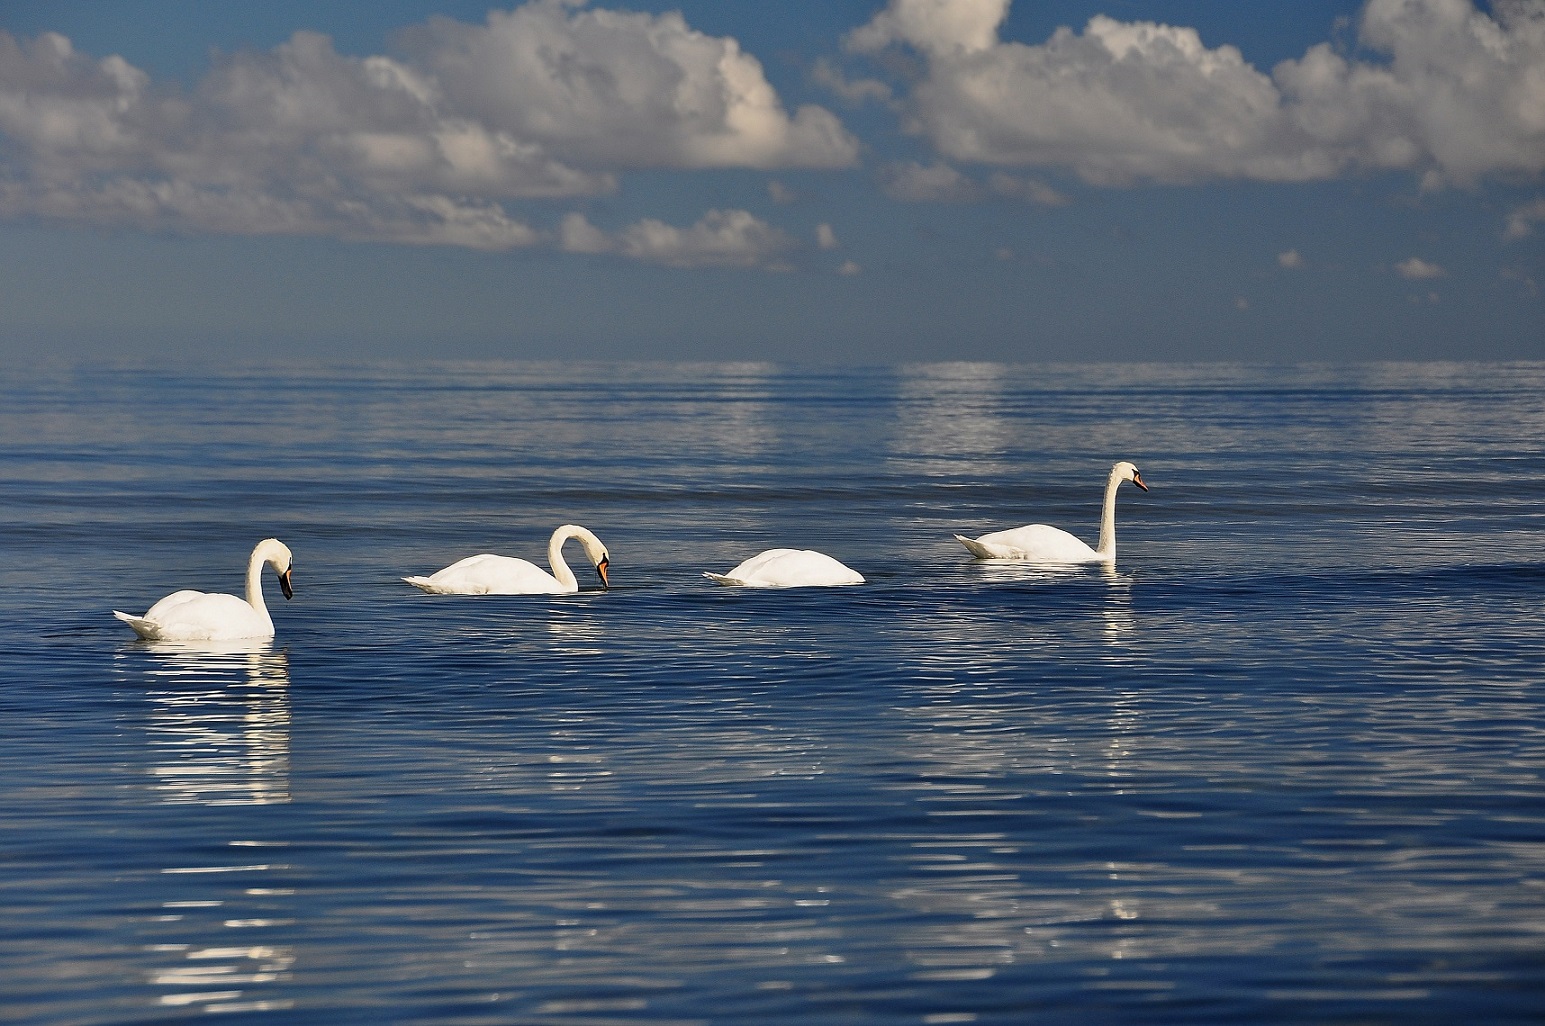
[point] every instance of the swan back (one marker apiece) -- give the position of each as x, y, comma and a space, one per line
789, 568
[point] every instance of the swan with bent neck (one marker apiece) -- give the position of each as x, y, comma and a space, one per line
197, 616
1041, 543
788, 568
487, 574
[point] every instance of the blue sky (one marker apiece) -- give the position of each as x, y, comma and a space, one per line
836, 181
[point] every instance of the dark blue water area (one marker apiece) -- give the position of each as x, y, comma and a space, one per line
1281, 763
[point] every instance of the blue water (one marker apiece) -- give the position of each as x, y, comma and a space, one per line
1284, 764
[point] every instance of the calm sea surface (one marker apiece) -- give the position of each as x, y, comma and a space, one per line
1285, 764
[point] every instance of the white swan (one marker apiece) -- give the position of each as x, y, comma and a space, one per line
788, 568
1039, 543
197, 616
487, 574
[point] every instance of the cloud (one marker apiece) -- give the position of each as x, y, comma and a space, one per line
549, 101
607, 88
911, 182
722, 238
948, 28
1521, 221
1417, 269
854, 92
825, 238
1028, 189
849, 268
1457, 94
1290, 259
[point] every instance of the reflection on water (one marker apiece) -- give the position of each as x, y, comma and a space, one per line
218, 735
1279, 764
220, 723
952, 412
1116, 614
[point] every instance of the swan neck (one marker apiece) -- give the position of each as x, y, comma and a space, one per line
1107, 549
561, 571
255, 583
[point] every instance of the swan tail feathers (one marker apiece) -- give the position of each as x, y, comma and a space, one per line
421, 583
148, 629
975, 547
729, 582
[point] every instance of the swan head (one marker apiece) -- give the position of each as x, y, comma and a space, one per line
1125, 471
277, 555
595, 550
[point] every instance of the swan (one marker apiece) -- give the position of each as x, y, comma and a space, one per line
197, 616
1040, 543
788, 568
487, 574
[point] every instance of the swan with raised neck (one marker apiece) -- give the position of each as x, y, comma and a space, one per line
489, 574
1041, 543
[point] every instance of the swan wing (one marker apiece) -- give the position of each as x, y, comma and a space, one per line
197, 616
488, 574
163, 609
755, 568
790, 568
1035, 543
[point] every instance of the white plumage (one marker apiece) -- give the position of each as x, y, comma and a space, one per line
487, 574
197, 616
789, 568
1041, 543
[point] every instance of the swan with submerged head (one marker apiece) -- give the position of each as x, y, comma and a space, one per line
487, 574
1040, 543
197, 616
788, 568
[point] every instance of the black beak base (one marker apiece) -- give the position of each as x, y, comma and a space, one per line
284, 585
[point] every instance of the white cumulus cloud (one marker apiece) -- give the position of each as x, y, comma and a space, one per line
1458, 94
722, 238
622, 90
549, 101
1417, 269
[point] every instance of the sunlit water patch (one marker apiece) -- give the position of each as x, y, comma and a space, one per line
1281, 762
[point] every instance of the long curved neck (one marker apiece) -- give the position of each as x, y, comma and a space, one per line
1107, 549
561, 569
255, 583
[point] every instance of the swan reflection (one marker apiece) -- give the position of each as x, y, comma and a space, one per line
575, 635
219, 728
218, 735
1116, 615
